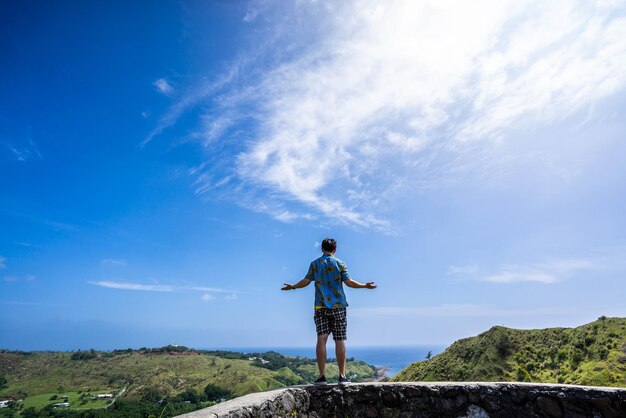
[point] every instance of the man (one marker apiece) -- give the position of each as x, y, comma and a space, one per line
329, 274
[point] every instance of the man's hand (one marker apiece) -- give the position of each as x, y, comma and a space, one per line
302, 283
370, 285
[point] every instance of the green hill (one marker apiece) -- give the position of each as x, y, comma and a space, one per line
175, 374
592, 354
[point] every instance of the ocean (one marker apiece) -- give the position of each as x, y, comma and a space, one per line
392, 358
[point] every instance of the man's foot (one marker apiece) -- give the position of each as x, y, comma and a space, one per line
343, 380
321, 380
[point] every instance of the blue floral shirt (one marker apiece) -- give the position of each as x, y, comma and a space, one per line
328, 273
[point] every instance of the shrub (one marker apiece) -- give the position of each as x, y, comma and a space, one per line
522, 375
152, 395
215, 393
503, 346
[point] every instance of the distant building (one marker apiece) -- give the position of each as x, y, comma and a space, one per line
262, 360
61, 405
104, 395
5, 404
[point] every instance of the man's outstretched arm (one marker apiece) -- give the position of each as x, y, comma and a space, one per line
302, 283
356, 285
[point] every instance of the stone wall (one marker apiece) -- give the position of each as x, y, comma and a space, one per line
454, 400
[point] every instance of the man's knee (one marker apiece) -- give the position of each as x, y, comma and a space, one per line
322, 338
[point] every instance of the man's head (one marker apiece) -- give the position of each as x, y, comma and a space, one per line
329, 245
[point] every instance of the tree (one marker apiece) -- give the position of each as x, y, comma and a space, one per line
429, 355
215, 393
3, 381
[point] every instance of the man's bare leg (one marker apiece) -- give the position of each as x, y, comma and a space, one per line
340, 352
320, 351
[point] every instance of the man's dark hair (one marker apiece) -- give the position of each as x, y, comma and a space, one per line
329, 245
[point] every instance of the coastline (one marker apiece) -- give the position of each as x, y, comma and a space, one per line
381, 375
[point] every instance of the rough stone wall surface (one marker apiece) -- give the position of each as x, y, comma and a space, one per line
454, 400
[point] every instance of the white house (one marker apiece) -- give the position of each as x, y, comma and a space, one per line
262, 360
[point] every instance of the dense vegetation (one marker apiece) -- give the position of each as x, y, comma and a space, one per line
592, 354
164, 381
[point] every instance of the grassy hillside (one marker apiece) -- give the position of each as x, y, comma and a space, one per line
592, 354
43, 378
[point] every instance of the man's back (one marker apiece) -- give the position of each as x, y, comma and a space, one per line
328, 273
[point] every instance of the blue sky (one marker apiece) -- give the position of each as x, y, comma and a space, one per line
165, 167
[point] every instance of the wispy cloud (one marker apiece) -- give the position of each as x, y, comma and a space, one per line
163, 86
373, 98
194, 96
114, 261
134, 286
514, 274
546, 272
25, 303
207, 297
12, 278
62, 226
457, 310
24, 152
24, 244
161, 287
3, 262
210, 289
469, 269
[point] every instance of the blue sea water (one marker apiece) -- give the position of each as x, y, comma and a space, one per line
392, 358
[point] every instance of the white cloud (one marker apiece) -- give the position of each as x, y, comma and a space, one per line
376, 98
207, 297
387, 78
209, 289
159, 287
24, 303
114, 261
15, 278
163, 86
512, 276
192, 98
456, 310
135, 286
24, 152
469, 269
3, 262
548, 272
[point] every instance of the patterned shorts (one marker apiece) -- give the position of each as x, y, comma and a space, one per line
332, 320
